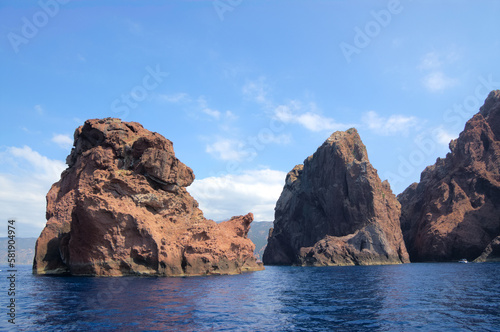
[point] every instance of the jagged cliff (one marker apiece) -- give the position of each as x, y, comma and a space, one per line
334, 210
454, 211
121, 208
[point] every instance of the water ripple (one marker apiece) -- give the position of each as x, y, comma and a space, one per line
444, 297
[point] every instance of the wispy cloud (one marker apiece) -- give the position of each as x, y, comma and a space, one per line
230, 115
200, 104
257, 91
228, 149
392, 125
213, 113
229, 195
24, 182
175, 98
429, 61
205, 109
64, 141
26, 158
432, 65
282, 139
39, 109
437, 81
442, 136
307, 116
29, 131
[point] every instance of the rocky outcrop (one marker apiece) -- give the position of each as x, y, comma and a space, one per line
454, 212
491, 253
121, 208
334, 210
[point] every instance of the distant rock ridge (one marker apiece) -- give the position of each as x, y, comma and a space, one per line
121, 208
335, 210
454, 211
259, 233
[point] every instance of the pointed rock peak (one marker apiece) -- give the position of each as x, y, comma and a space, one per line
334, 210
491, 111
492, 102
347, 143
340, 136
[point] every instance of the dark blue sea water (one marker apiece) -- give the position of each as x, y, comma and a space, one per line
425, 297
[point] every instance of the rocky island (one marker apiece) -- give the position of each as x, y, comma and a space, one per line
335, 210
121, 208
454, 211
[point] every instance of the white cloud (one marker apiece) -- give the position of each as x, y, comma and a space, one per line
229, 195
45, 169
64, 141
229, 150
205, 109
393, 125
230, 115
213, 113
257, 91
25, 179
430, 60
294, 112
284, 113
436, 60
437, 81
432, 65
443, 136
200, 104
282, 139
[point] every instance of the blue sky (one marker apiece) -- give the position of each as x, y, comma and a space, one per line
244, 89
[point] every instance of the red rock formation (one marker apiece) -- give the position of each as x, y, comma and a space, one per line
334, 210
121, 208
454, 212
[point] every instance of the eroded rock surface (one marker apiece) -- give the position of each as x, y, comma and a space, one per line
121, 207
454, 211
335, 210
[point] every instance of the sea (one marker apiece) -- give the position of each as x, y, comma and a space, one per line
409, 297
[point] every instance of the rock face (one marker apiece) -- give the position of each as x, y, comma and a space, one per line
491, 253
121, 208
454, 212
334, 210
